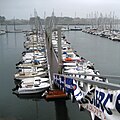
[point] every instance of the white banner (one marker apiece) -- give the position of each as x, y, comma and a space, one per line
105, 104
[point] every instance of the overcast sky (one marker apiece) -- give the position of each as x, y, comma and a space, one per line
25, 8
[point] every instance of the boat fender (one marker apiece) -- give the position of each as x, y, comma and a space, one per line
16, 88
45, 93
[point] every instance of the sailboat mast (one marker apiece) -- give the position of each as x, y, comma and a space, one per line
75, 20
14, 24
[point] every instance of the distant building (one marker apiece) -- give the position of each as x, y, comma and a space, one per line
2, 19
32, 20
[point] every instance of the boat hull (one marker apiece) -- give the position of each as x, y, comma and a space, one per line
35, 90
22, 76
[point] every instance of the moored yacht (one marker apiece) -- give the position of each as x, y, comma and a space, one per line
32, 86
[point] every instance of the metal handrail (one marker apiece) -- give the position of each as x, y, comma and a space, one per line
101, 76
100, 84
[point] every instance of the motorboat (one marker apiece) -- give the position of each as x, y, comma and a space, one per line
32, 87
30, 60
74, 71
31, 69
33, 50
33, 56
69, 56
2, 32
22, 74
41, 79
33, 64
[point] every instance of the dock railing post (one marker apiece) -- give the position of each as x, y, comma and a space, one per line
59, 51
48, 39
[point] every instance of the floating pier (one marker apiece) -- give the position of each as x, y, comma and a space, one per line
56, 94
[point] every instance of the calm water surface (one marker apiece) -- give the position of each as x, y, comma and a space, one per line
15, 108
102, 52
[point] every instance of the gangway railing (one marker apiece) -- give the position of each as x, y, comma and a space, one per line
101, 100
101, 76
100, 97
101, 84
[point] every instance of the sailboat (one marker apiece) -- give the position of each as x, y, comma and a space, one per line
76, 27
2, 32
14, 28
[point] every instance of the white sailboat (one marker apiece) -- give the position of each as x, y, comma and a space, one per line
2, 32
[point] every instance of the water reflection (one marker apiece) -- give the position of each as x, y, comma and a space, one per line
61, 110
34, 97
15, 40
37, 110
7, 38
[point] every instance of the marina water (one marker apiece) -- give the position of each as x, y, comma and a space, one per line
101, 51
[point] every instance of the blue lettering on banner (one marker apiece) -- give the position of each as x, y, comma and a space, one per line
98, 98
109, 97
100, 101
68, 85
117, 105
63, 82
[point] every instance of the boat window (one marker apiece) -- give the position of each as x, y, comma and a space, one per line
38, 67
37, 80
36, 85
70, 55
